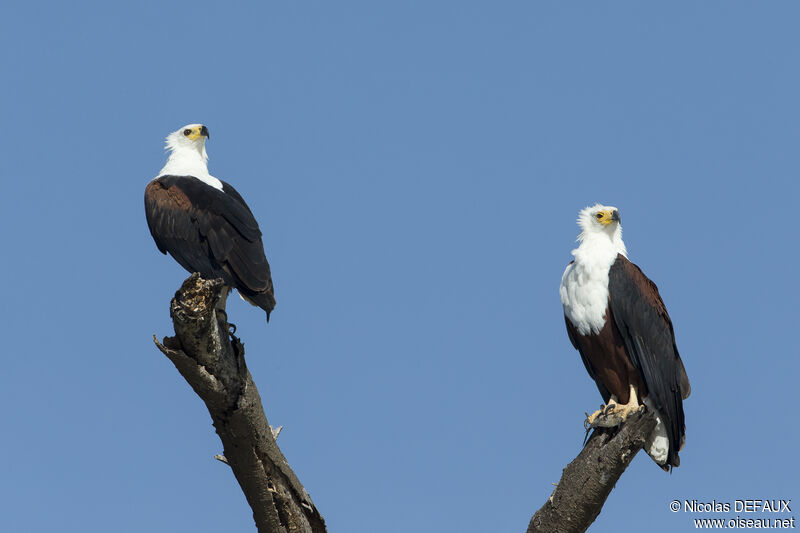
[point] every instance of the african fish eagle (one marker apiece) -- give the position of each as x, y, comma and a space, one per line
204, 224
619, 324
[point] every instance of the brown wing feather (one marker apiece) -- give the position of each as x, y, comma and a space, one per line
643, 322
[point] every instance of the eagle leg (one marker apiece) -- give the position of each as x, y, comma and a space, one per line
614, 413
222, 318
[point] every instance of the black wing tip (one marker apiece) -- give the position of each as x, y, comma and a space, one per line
270, 306
264, 300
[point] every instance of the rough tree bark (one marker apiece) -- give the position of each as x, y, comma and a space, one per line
212, 362
587, 481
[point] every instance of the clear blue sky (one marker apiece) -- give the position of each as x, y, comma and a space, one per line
416, 168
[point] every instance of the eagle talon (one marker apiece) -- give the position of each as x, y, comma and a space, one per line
608, 421
608, 416
614, 414
591, 420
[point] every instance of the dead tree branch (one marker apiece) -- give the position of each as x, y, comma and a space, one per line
212, 362
587, 481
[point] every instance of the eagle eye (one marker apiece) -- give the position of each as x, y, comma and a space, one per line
599, 216
187, 132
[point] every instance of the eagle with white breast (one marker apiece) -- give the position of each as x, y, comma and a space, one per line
617, 321
204, 224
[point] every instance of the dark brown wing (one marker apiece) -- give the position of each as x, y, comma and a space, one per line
643, 322
212, 232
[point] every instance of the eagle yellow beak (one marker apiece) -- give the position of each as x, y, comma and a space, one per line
197, 132
607, 217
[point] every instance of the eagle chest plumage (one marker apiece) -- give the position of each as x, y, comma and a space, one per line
586, 293
607, 361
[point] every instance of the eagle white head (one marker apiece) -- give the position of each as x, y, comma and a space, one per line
601, 229
188, 156
599, 219
191, 137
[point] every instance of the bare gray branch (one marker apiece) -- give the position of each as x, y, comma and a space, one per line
212, 362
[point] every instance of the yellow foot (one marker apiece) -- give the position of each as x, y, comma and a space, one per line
613, 414
593, 419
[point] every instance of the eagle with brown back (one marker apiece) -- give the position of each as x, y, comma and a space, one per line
204, 224
617, 321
